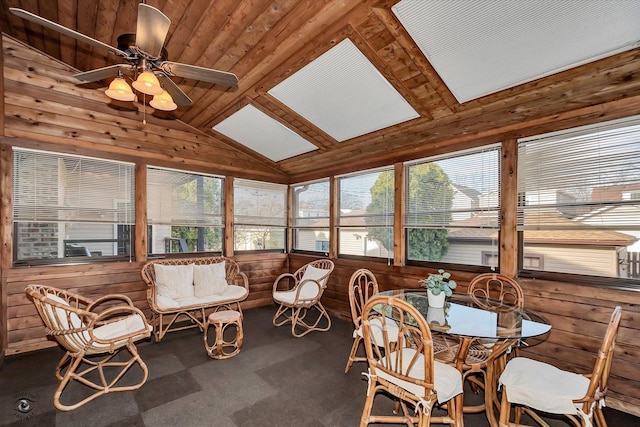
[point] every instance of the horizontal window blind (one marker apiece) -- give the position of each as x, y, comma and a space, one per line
183, 198
311, 204
367, 199
259, 203
53, 187
581, 179
455, 191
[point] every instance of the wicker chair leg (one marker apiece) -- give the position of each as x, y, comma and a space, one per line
352, 354
368, 404
105, 386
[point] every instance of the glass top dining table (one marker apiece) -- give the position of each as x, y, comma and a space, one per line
468, 319
465, 316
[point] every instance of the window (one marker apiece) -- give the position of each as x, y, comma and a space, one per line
260, 215
580, 199
453, 208
310, 216
70, 207
184, 212
365, 221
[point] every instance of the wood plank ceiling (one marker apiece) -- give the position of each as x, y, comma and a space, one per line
265, 41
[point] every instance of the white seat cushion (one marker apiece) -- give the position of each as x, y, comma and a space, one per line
209, 279
543, 386
447, 379
174, 281
113, 331
310, 290
376, 329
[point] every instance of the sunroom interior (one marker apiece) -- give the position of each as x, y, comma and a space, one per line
398, 136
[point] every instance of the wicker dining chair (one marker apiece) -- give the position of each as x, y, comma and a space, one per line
536, 386
484, 359
362, 286
94, 333
405, 369
302, 296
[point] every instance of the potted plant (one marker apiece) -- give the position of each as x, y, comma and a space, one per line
438, 287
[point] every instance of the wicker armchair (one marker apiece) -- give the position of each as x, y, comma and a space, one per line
302, 296
405, 368
93, 333
536, 386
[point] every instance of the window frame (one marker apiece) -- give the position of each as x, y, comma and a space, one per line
495, 244
151, 225
389, 259
623, 283
295, 228
73, 259
265, 224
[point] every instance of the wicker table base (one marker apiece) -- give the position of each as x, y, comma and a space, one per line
221, 320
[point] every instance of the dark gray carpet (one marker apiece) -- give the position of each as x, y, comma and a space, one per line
276, 380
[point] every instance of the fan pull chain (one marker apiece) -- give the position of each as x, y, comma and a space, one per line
144, 109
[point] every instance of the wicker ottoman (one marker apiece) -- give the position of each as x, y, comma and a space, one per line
221, 320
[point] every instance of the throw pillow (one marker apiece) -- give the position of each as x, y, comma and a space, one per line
174, 281
209, 279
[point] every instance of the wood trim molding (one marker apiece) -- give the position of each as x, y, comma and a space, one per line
398, 214
141, 236
509, 208
229, 247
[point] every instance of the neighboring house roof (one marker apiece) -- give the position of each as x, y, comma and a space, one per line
612, 193
572, 233
471, 193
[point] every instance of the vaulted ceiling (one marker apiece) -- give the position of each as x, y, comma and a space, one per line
327, 86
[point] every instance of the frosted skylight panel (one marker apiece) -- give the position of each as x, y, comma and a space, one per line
479, 47
342, 93
261, 133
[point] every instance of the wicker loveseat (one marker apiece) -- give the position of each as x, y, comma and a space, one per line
184, 289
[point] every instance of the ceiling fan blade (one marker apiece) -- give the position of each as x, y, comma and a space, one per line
24, 14
179, 97
199, 73
152, 29
101, 73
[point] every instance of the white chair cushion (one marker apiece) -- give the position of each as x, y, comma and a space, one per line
376, 329
174, 281
209, 279
543, 386
115, 330
447, 379
63, 316
310, 289
231, 293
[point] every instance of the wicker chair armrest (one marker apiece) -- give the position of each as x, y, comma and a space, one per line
241, 279
282, 276
299, 287
110, 297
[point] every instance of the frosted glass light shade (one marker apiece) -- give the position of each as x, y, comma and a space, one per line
120, 90
163, 102
148, 83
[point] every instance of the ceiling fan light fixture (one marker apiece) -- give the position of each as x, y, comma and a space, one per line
163, 102
148, 83
120, 90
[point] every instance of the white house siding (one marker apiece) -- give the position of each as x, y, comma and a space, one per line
91, 231
350, 244
577, 260
467, 253
307, 239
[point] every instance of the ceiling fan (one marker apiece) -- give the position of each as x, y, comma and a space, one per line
147, 60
